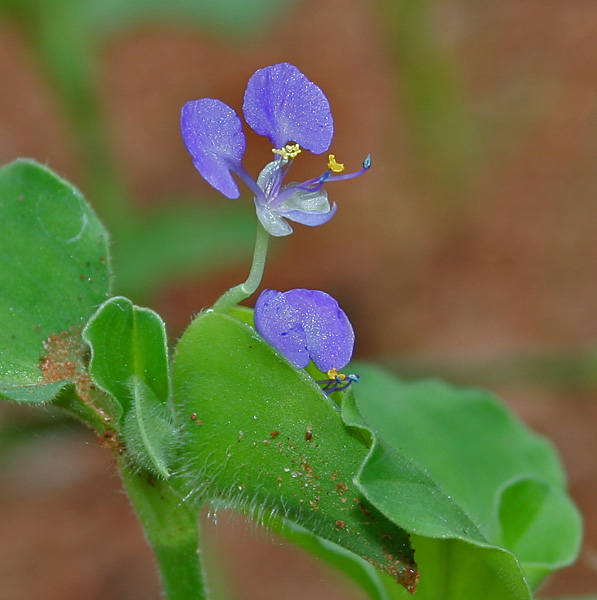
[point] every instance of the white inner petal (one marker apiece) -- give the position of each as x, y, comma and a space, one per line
274, 224
307, 201
267, 178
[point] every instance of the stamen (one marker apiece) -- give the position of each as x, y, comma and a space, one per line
322, 179
337, 382
364, 169
333, 374
289, 151
333, 165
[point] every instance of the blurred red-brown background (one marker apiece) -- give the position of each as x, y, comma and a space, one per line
472, 238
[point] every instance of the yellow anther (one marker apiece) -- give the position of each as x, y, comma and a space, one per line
334, 375
333, 165
289, 151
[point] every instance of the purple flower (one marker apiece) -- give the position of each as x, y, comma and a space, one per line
306, 325
283, 105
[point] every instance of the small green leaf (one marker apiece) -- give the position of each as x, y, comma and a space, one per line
54, 272
129, 361
127, 341
148, 429
261, 436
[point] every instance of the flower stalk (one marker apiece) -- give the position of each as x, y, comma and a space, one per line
242, 291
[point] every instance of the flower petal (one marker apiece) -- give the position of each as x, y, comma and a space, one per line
282, 104
330, 336
273, 223
270, 178
310, 218
304, 200
308, 208
213, 135
279, 323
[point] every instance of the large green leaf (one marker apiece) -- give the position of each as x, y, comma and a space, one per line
54, 272
261, 436
129, 361
506, 479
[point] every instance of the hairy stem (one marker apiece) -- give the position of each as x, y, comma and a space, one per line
242, 291
172, 530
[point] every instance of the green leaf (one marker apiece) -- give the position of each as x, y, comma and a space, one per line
148, 429
539, 524
176, 241
127, 341
452, 555
507, 480
452, 569
54, 272
261, 436
129, 361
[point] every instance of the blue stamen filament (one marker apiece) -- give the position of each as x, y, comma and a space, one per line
274, 195
315, 184
337, 382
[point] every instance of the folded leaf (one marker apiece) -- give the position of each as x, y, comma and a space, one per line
129, 361
261, 436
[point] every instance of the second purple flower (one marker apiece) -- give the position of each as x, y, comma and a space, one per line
305, 325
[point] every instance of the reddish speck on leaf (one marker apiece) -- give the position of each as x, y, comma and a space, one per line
64, 360
63, 357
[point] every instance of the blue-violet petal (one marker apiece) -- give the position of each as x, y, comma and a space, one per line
279, 323
213, 135
303, 324
282, 104
329, 333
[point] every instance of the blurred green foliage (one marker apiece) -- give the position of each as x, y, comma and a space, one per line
444, 130
150, 248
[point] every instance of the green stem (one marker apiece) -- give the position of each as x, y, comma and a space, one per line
242, 291
172, 529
